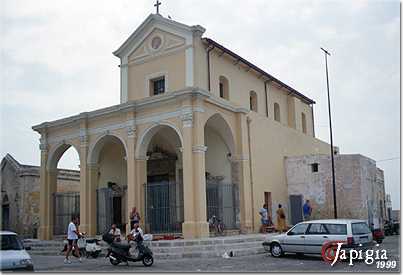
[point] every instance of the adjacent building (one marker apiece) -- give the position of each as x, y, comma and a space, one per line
20, 188
360, 187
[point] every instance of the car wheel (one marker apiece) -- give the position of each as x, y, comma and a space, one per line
276, 250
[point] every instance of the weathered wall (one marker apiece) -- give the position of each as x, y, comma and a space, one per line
21, 185
358, 192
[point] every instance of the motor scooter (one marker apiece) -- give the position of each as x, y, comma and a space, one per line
119, 252
92, 248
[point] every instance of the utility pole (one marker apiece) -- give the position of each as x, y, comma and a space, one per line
331, 135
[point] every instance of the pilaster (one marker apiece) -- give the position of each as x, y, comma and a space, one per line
132, 182
242, 158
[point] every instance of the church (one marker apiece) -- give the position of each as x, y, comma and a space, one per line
199, 132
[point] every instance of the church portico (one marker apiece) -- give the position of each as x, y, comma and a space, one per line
120, 161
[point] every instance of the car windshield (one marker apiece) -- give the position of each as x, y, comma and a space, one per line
360, 228
10, 242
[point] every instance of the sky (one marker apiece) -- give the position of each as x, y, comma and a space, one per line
56, 61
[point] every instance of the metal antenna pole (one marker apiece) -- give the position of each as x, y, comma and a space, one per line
331, 135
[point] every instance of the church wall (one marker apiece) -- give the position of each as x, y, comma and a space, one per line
112, 165
278, 96
172, 65
217, 163
240, 82
270, 143
200, 68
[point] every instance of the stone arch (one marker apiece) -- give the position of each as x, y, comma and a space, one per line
107, 158
222, 177
57, 152
223, 128
145, 138
96, 147
62, 202
157, 148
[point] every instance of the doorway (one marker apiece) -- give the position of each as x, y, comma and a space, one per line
296, 208
268, 202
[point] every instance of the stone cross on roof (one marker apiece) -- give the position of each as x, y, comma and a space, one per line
157, 5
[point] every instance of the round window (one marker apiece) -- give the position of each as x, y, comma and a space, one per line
156, 42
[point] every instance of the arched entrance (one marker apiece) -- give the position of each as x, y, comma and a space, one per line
163, 190
222, 190
109, 157
65, 200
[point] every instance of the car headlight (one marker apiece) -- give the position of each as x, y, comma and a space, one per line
26, 262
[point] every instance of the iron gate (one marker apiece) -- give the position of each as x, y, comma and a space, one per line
164, 207
66, 204
222, 202
104, 209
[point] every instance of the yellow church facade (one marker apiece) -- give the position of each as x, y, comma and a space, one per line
199, 132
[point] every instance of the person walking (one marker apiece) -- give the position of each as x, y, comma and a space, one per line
72, 237
263, 218
134, 217
307, 209
281, 223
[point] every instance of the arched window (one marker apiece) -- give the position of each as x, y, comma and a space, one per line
253, 101
303, 118
224, 89
276, 112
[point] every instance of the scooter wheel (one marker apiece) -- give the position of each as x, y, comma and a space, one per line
96, 254
148, 260
114, 262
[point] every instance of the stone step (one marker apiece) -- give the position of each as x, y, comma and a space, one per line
167, 249
173, 249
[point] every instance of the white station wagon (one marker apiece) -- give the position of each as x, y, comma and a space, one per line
13, 255
308, 237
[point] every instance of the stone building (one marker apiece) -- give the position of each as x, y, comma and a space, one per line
199, 131
20, 187
360, 189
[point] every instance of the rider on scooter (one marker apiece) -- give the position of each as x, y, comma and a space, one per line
136, 235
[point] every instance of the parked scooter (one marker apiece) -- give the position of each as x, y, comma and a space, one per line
120, 252
92, 248
87, 247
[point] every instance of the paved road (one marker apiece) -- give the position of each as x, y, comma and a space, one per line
255, 263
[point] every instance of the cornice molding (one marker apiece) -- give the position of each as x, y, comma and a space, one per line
135, 106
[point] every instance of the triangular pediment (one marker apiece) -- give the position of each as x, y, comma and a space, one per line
171, 34
157, 42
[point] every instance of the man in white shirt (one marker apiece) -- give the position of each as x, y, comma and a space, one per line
72, 237
115, 232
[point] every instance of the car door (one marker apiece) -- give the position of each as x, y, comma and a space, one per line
316, 235
295, 238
